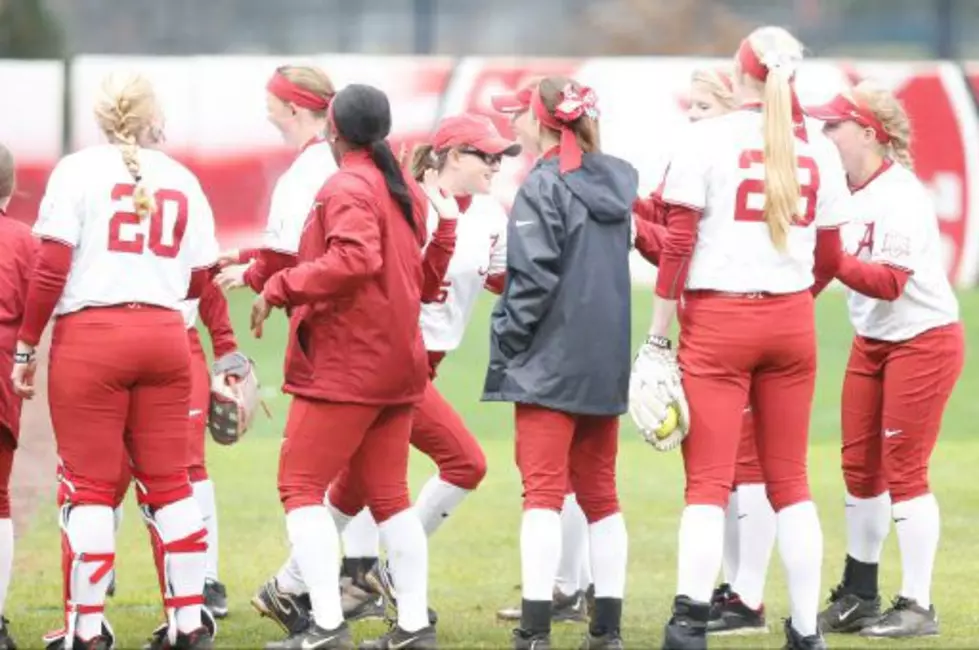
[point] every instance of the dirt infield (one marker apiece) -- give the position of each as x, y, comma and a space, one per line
32, 483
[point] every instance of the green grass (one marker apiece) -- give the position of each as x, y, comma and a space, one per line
475, 556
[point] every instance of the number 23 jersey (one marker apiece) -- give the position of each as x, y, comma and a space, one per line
719, 170
119, 257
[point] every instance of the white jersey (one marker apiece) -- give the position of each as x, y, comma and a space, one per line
294, 195
480, 252
720, 173
896, 225
118, 257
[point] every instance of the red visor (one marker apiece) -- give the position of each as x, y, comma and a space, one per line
475, 131
841, 109
517, 102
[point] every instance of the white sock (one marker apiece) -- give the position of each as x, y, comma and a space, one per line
436, 501
757, 530
316, 549
361, 537
90, 531
117, 517
700, 552
800, 543
574, 548
407, 550
730, 560
204, 493
867, 523
6, 559
918, 524
340, 519
540, 552
290, 577
185, 571
609, 543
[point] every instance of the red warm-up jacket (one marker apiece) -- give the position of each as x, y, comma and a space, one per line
355, 294
18, 249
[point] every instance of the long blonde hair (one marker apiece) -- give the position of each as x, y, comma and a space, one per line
892, 116
781, 54
125, 110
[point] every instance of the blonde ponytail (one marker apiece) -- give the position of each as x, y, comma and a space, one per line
782, 191
124, 111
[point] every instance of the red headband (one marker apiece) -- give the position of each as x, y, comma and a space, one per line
293, 93
572, 105
752, 66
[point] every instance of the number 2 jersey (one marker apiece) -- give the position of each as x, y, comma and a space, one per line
719, 171
117, 256
480, 253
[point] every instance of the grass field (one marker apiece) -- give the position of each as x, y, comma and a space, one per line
475, 558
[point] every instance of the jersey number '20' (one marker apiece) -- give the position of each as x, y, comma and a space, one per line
167, 224
749, 186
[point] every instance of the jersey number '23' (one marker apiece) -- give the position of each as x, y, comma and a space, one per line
749, 186
167, 224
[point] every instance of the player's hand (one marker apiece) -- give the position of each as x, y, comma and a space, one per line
655, 387
260, 313
25, 367
227, 258
445, 206
231, 277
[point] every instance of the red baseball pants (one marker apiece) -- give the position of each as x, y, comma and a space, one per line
200, 401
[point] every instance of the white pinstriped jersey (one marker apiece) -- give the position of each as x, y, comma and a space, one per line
720, 172
480, 252
896, 225
119, 257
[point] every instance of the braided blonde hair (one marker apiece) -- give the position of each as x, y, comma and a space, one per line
124, 111
892, 116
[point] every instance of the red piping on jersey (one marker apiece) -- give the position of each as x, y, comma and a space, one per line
46, 286
875, 280
674, 262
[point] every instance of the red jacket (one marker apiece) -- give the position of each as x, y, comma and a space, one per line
355, 294
18, 249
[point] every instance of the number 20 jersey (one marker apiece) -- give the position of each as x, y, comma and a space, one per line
118, 257
719, 170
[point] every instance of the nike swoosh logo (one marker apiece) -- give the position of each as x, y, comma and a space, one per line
319, 644
403, 644
522, 223
843, 615
742, 516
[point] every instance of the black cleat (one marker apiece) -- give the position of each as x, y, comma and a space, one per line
316, 638
293, 613
524, 640
847, 612
564, 609
905, 619
216, 598
795, 641
54, 640
380, 579
6, 641
200, 639
721, 594
687, 628
398, 639
359, 598
606, 641
730, 616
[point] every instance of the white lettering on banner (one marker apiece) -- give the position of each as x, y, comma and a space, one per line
946, 192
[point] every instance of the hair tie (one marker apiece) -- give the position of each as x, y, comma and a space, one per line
572, 105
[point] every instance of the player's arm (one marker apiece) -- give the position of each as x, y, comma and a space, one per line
436, 258
213, 309
535, 242
353, 255
496, 273
895, 251
649, 240
266, 263
834, 207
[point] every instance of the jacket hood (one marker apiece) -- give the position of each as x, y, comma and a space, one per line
607, 186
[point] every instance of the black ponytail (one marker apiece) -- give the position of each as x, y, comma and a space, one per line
386, 161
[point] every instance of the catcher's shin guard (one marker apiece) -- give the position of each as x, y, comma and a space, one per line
71, 563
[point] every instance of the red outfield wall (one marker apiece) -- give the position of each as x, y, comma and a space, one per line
216, 123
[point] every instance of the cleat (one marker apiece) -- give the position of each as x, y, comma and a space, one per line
905, 619
316, 638
687, 627
200, 639
795, 641
6, 641
293, 613
730, 616
564, 609
398, 639
524, 640
607, 641
359, 598
380, 580
721, 594
847, 612
216, 598
54, 640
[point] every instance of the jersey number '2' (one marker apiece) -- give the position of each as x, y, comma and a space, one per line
749, 186
167, 224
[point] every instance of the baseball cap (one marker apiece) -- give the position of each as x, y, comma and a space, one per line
476, 131
843, 109
516, 102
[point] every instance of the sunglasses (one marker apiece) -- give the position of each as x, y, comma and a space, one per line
488, 158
